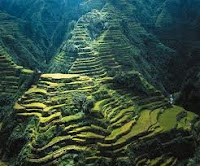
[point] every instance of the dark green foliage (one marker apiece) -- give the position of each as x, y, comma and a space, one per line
82, 103
124, 162
34, 37
17, 44
190, 93
181, 115
5, 100
102, 161
22, 156
131, 81
44, 137
22, 133
15, 135
195, 160
31, 31
72, 160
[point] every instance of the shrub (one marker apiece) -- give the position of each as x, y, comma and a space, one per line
83, 103
195, 160
132, 81
6, 100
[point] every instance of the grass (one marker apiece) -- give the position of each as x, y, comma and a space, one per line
71, 118
52, 84
121, 120
60, 76
167, 120
54, 141
183, 123
59, 153
98, 105
30, 114
167, 162
81, 129
121, 113
46, 119
120, 131
154, 116
36, 90
120, 127
186, 122
47, 109
154, 161
18, 107
99, 128
27, 71
71, 127
35, 105
3, 163
90, 135
141, 125
191, 116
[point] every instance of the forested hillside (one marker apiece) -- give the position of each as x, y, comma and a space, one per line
99, 82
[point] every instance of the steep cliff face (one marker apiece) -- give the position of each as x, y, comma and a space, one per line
106, 68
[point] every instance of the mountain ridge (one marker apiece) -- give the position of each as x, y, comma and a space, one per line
98, 94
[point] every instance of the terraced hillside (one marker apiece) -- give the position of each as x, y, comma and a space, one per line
106, 41
37, 28
100, 100
20, 47
84, 59
12, 76
102, 124
15, 80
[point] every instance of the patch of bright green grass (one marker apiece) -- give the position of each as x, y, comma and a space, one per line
168, 119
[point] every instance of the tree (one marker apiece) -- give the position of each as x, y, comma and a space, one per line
83, 103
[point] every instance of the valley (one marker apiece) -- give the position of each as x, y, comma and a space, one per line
89, 83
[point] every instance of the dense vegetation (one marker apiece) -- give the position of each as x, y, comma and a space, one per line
88, 82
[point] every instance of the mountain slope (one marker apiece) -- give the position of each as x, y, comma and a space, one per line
15, 80
45, 23
21, 48
103, 125
98, 95
104, 34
